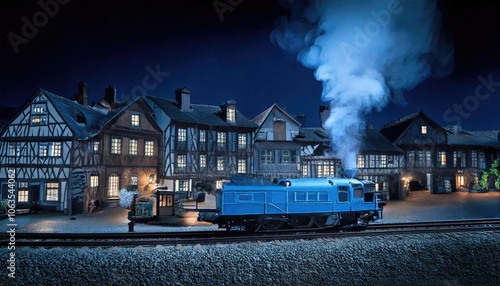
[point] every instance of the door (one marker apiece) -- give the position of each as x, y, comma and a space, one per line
165, 205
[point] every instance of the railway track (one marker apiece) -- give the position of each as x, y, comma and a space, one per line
212, 237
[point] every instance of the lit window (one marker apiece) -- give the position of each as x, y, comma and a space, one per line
94, 146
52, 193
43, 149
305, 171
116, 145
94, 181
383, 161
51, 149
361, 161
135, 120
285, 156
242, 166
474, 159
149, 148
221, 140
181, 136
113, 185
183, 185
181, 161
39, 114
220, 163
132, 147
266, 157
442, 158
203, 161
22, 192
242, 141
231, 114
424, 129
203, 136
11, 149
55, 149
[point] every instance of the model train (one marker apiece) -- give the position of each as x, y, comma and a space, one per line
298, 203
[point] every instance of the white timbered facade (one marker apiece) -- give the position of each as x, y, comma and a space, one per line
65, 153
201, 144
44, 146
277, 154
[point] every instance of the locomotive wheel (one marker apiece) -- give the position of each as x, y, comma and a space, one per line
302, 221
320, 221
272, 224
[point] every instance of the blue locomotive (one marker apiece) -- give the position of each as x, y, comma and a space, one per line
297, 203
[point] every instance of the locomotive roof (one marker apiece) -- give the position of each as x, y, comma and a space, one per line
302, 182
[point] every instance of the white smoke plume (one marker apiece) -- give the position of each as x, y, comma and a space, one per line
366, 53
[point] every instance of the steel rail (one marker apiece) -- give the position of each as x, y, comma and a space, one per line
212, 237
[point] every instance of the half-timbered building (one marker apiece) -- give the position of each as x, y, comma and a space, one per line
276, 153
202, 145
43, 145
127, 151
65, 153
433, 154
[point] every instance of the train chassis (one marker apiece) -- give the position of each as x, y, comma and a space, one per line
276, 222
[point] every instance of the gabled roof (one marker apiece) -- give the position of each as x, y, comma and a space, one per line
200, 114
373, 140
457, 136
395, 129
313, 135
69, 110
259, 119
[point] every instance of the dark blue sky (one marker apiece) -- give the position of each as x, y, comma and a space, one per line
120, 43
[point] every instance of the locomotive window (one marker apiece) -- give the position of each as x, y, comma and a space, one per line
312, 196
343, 195
323, 196
358, 192
300, 196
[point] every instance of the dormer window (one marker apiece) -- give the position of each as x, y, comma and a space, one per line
231, 114
39, 114
423, 128
80, 118
135, 120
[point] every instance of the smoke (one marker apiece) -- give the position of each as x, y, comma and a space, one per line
366, 53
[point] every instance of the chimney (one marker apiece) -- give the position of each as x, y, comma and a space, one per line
82, 97
183, 97
324, 113
110, 95
302, 119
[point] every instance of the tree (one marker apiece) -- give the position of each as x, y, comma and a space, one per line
495, 172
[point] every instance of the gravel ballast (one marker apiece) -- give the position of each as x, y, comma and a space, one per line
418, 259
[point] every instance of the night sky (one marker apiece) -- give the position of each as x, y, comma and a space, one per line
159, 46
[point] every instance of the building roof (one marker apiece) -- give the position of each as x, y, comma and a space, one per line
373, 140
259, 119
313, 134
458, 136
69, 110
393, 130
200, 114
